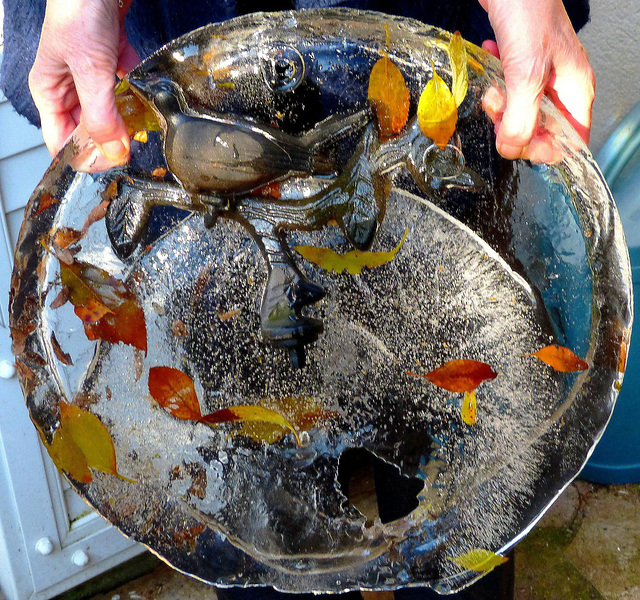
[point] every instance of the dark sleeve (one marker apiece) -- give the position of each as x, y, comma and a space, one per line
21, 29
152, 23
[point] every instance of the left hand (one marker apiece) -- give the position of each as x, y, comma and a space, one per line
540, 53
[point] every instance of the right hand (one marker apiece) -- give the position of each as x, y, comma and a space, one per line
82, 48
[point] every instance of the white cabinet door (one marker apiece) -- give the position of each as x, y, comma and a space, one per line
50, 540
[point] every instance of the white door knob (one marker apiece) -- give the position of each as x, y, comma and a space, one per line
80, 558
7, 369
44, 546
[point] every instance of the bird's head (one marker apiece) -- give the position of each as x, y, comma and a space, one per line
161, 93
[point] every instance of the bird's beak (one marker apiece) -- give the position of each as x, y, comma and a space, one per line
141, 86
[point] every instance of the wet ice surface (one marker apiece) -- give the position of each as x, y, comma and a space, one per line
387, 485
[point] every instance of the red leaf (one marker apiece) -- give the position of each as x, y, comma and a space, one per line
174, 391
124, 324
459, 375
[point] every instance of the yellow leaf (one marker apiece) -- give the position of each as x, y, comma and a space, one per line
141, 136
68, 457
437, 111
249, 413
303, 413
469, 408
459, 70
91, 437
479, 560
353, 261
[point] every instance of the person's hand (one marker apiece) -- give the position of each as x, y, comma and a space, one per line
540, 53
82, 48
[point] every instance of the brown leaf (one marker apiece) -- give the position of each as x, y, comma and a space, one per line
198, 476
96, 214
230, 314
179, 328
561, 359
62, 298
459, 375
19, 336
174, 391
61, 355
188, 536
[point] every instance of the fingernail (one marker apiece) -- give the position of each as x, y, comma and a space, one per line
114, 150
509, 151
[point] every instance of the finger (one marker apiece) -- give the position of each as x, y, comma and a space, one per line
100, 114
56, 129
128, 60
491, 47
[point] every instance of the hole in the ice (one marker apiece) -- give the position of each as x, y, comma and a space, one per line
375, 487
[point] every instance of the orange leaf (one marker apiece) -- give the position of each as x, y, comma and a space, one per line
108, 308
174, 391
389, 95
63, 237
459, 375
352, 261
137, 114
93, 310
437, 111
46, 200
249, 413
561, 359
141, 136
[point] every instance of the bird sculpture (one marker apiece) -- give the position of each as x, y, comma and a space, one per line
219, 154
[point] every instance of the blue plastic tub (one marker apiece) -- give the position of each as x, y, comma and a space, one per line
616, 458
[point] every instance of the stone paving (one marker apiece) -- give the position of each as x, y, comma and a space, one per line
587, 547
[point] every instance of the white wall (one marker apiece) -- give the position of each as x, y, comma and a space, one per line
612, 39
